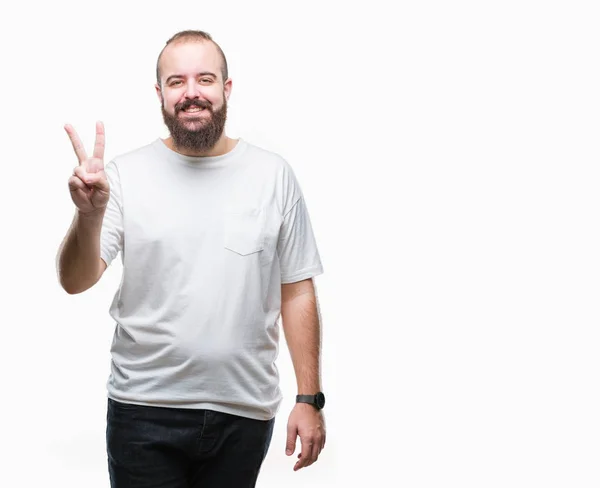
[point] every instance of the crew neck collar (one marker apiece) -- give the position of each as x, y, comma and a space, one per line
202, 161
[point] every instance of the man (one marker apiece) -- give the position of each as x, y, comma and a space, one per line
216, 244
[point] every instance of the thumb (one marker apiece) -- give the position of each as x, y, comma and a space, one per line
290, 445
97, 180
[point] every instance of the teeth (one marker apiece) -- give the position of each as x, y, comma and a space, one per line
193, 109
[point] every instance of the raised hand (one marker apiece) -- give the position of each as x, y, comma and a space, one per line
89, 186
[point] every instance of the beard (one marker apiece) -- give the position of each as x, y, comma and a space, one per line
199, 133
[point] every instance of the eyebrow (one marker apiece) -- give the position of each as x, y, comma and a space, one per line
203, 73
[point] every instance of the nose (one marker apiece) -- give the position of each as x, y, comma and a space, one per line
192, 90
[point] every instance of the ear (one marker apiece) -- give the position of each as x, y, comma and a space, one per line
227, 88
159, 93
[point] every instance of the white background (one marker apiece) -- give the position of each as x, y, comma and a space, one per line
448, 152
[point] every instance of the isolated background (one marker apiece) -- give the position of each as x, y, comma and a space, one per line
448, 152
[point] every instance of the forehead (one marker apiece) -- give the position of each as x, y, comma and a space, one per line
190, 57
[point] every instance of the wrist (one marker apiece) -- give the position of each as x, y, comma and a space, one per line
93, 214
90, 220
316, 400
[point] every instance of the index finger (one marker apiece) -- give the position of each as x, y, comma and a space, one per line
100, 141
77, 144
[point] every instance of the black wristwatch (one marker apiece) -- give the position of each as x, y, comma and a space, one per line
317, 401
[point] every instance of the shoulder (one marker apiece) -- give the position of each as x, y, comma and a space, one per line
266, 157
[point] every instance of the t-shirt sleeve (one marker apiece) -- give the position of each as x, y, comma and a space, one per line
111, 236
299, 257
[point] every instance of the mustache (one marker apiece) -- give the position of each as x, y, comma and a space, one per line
193, 103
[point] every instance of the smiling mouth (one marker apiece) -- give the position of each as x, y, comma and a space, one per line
191, 111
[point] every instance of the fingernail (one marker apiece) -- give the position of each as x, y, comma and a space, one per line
288, 452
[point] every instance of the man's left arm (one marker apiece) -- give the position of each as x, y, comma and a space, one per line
301, 326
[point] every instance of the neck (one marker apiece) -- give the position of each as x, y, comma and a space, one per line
223, 146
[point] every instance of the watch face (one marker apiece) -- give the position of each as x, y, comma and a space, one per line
320, 399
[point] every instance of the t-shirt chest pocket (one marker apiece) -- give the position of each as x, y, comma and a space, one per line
244, 231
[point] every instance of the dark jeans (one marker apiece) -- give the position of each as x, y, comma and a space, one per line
152, 447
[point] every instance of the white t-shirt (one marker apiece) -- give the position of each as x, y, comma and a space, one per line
206, 244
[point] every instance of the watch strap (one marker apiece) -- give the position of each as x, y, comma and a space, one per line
306, 399
317, 400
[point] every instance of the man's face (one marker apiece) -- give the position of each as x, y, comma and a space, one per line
193, 95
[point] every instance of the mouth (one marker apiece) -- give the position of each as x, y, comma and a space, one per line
193, 110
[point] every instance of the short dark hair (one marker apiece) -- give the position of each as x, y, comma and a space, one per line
194, 35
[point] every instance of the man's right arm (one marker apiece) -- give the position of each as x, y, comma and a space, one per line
79, 263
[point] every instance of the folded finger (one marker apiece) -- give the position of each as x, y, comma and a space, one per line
76, 184
316, 449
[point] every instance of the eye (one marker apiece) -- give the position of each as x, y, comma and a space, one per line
206, 80
175, 83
